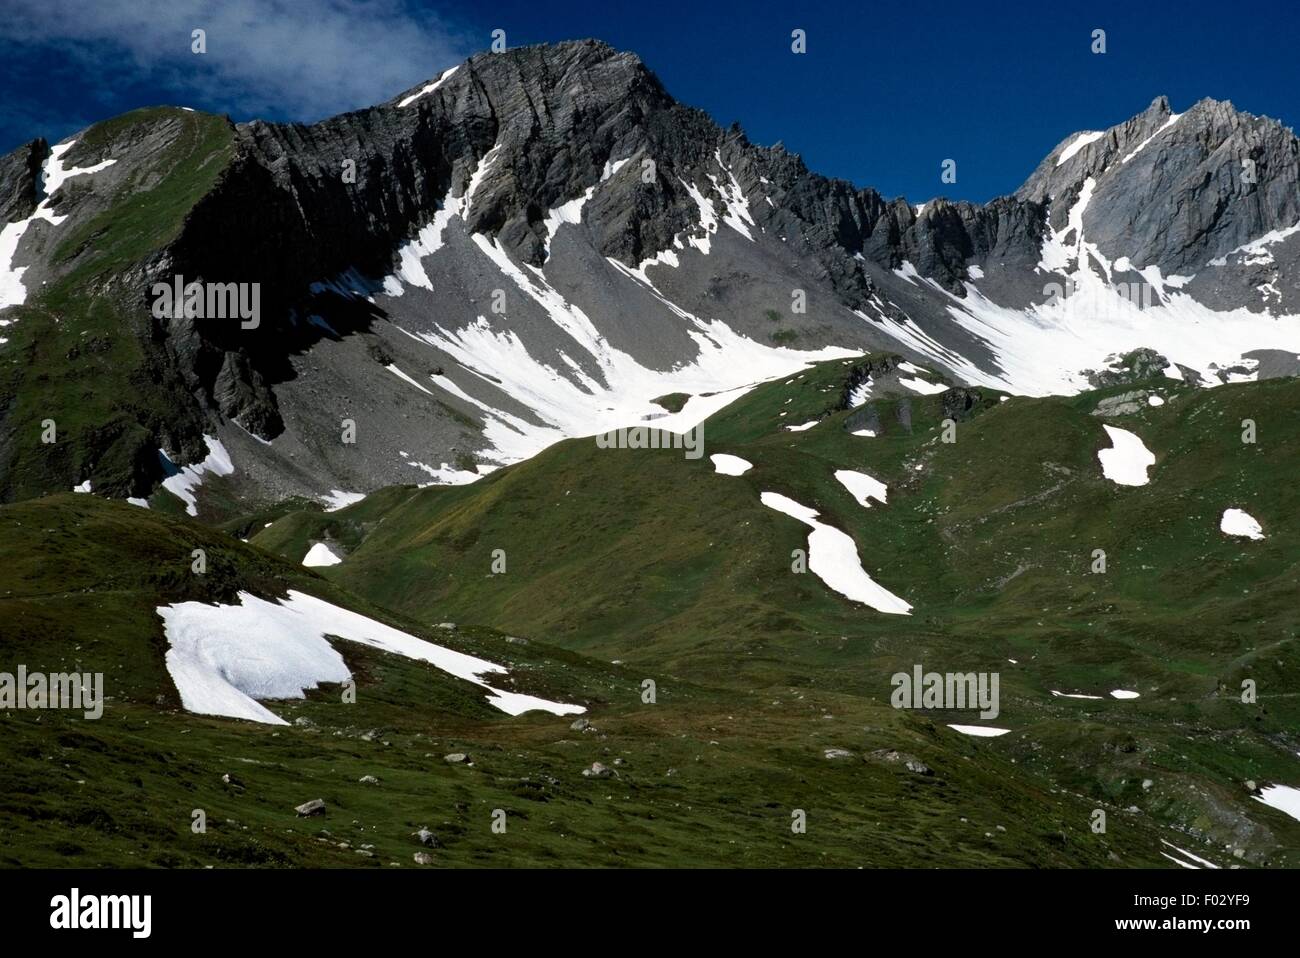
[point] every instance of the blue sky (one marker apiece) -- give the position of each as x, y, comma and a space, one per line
885, 93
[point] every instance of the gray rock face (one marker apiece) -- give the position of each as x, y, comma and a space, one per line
530, 130
20, 180
1134, 367
1178, 193
307, 809
960, 403
1123, 404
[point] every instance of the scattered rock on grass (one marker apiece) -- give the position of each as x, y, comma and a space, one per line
426, 838
909, 762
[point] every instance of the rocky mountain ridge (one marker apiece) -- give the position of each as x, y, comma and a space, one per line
628, 238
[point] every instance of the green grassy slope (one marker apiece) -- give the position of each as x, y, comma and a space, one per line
656, 560
706, 774
78, 352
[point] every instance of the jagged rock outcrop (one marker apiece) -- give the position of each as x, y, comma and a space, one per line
20, 180
1177, 191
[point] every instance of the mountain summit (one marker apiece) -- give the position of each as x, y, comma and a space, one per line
541, 243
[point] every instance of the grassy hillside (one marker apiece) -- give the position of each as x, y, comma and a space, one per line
706, 774
656, 560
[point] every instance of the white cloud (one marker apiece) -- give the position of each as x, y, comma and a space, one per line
296, 59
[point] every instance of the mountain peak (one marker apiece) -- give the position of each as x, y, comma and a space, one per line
540, 60
1159, 107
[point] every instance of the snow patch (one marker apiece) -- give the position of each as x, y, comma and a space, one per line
429, 88
859, 394
571, 212
53, 176
730, 465
320, 555
1282, 797
922, 386
223, 658
862, 487
392, 368
1142, 146
337, 499
980, 731
737, 214
183, 480
1077, 144
1127, 461
1235, 522
908, 272
1182, 851
1256, 251
833, 558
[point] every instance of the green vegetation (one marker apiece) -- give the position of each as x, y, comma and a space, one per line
152, 205
76, 353
706, 775
659, 561
627, 565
